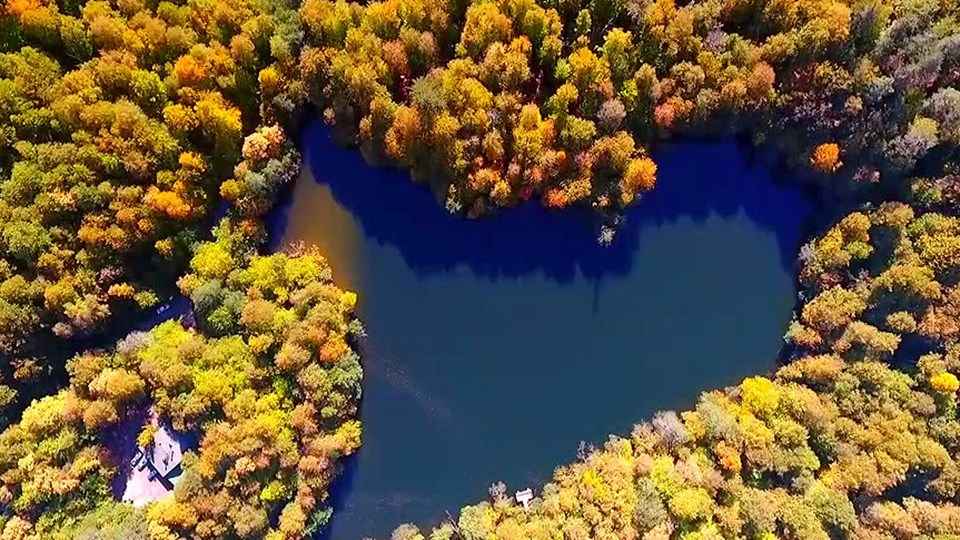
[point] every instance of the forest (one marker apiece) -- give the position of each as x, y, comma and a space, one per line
143, 143
267, 380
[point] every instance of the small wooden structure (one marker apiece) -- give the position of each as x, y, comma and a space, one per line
155, 469
524, 497
165, 455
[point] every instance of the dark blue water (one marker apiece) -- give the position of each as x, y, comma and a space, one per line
497, 345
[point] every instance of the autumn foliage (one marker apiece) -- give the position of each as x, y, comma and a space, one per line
271, 431
119, 122
826, 157
123, 123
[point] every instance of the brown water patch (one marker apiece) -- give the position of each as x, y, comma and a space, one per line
317, 219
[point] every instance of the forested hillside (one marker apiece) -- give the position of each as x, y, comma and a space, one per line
119, 124
494, 102
268, 383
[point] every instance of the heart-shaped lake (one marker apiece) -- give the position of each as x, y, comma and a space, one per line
496, 345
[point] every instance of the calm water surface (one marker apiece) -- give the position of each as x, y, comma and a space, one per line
495, 346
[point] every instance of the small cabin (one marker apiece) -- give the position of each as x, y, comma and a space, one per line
155, 469
524, 497
165, 454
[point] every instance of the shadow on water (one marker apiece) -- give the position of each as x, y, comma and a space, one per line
703, 181
495, 345
339, 491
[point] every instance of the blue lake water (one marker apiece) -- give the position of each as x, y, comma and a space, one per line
496, 345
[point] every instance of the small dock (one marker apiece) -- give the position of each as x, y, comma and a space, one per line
524, 497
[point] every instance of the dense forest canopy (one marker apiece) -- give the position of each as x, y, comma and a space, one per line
120, 122
498, 101
268, 382
124, 122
